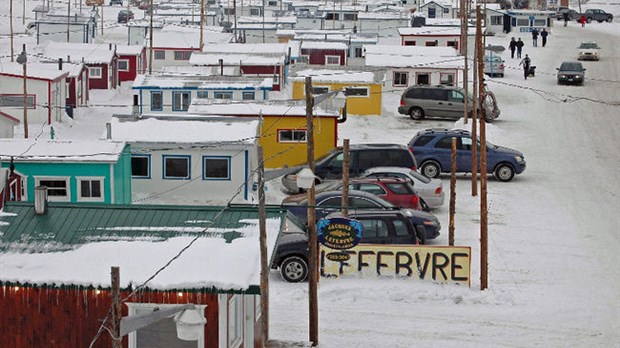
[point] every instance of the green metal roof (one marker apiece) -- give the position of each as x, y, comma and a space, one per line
66, 225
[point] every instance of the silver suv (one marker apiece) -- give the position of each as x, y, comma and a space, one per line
442, 101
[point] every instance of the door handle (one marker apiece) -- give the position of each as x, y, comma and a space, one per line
440, 103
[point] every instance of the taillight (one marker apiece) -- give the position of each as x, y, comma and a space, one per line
438, 190
501, 66
413, 167
416, 201
402, 102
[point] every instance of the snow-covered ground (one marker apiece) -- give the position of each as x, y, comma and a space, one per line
554, 246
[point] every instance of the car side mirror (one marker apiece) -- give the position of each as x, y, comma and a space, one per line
584, 70
557, 68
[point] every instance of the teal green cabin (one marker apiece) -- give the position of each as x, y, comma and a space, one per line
72, 170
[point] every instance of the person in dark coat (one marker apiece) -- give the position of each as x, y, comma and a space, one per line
565, 18
519, 45
543, 36
513, 46
526, 66
535, 37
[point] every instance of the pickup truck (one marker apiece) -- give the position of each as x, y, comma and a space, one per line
596, 15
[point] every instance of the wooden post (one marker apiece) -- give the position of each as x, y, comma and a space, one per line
464, 31
202, 18
102, 5
25, 95
24, 12
151, 40
483, 184
312, 237
477, 107
264, 269
116, 309
11, 26
345, 178
452, 194
68, 19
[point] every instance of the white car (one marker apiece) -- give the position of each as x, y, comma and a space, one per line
494, 66
589, 50
430, 191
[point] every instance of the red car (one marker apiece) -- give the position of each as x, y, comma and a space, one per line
394, 190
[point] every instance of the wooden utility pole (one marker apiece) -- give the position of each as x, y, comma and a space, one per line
68, 19
202, 19
235, 17
452, 194
11, 26
477, 107
345, 177
264, 265
24, 12
151, 41
25, 93
102, 5
313, 301
464, 32
483, 177
116, 309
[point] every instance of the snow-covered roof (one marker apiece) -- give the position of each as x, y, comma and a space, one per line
343, 8
186, 132
326, 75
199, 70
33, 70
169, 38
234, 59
254, 108
345, 38
433, 31
201, 82
129, 50
91, 53
225, 254
383, 15
271, 49
61, 150
267, 20
413, 56
323, 45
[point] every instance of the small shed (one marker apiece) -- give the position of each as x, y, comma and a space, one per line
324, 53
131, 61
56, 272
432, 36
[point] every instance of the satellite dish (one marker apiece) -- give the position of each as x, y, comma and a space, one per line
22, 58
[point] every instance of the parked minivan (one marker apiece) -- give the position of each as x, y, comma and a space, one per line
361, 158
422, 101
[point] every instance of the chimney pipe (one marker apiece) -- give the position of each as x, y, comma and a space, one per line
108, 131
40, 200
68, 59
59, 63
110, 46
221, 67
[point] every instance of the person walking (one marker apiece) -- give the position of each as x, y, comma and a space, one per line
519, 45
535, 37
526, 66
543, 36
582, 20
565, 18
513, 46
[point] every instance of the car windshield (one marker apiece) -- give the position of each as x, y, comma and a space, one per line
588, 45
567, 66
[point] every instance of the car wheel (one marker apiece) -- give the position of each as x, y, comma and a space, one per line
501, 75
294, 269
504, 172
589, 20
424, 205
416, 113
431, 169
609, 20
420, 232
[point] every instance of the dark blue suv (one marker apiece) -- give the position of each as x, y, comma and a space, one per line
432, 150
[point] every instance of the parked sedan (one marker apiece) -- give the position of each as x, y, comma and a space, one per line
124, 16
426, 224
589, 50
429, 190
493, 66
571, 73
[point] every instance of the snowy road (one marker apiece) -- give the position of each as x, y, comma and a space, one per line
554, 274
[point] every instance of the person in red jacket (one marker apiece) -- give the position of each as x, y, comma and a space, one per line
582, 20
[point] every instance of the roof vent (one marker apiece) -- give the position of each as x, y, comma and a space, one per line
40, 200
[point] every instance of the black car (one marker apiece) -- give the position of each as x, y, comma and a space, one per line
116, 2
571, 73
124, 16
380, 227
328, 202
362, 157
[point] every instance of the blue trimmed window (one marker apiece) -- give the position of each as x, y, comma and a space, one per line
157, 101
222, 95
180, 101
176, 167
216, 167
141, 166
248, 96
202, 94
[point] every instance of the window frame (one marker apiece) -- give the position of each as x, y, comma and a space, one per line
244, 94
182, 55
216, 95
202, 94
366, 89
394, 78
161, 100
51, 198
19, 104
159, 52
148, 166
164, 165
181, 93
292, 137
204, 168
442, 80
100, 179
134, 308
331, 56
98, 76
126, 61
235, 315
